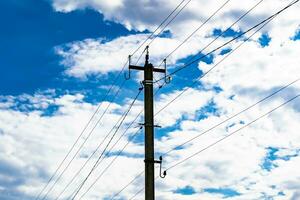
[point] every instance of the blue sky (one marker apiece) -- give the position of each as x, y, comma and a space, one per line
30, 32
58, 58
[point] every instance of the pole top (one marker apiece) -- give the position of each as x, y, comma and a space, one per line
147, 55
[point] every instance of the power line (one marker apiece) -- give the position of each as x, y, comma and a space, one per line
136, 194
229, 135
110, 164
220, 140
128, 127
127, 185
196, 30
120, 151
165, 20
117, 77
81, 133
157, 28
156, 92
78, 172
111, 89
85, 140
96, 163
294, 2
222, 60
267, 20
160, 26
160, 31
169, 22
231, 117
106, 95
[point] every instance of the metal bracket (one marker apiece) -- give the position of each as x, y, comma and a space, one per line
147, 82
143, 124
161, 175
164, 174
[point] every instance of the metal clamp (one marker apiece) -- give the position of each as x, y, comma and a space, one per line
161, 174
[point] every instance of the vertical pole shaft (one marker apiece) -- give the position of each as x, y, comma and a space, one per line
149, 131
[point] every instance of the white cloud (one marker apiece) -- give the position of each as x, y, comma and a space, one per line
34, 144
95, 56
250, 74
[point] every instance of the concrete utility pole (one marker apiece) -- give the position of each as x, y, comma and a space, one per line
149, 125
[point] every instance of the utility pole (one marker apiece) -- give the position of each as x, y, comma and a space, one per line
149, 124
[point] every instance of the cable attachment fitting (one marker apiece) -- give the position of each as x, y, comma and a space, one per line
164, 174
141, 87
167, 78
127, 77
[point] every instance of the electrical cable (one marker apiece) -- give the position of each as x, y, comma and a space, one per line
138, 192
233, 39
222, 139
161, 31
222, 60
127, 185
110, 164
220, 35
115, 80
231, 117
86, 162
129, 126
81, 133
85, 140
91, 171
157, 28
266, 22
234, 132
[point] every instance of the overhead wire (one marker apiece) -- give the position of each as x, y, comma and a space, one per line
228, 28
118, 127
111, 163
138, 192
231, 134
128, 127
264, 21
231, 117
82, 144
127, 185
220, 140
157, 28
90, 157
117, 77
151, 35
225, 57
216, 38
98, 108
173, 18
82, 132
289, 6
230, 41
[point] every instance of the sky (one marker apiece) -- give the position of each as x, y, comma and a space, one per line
64, 61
